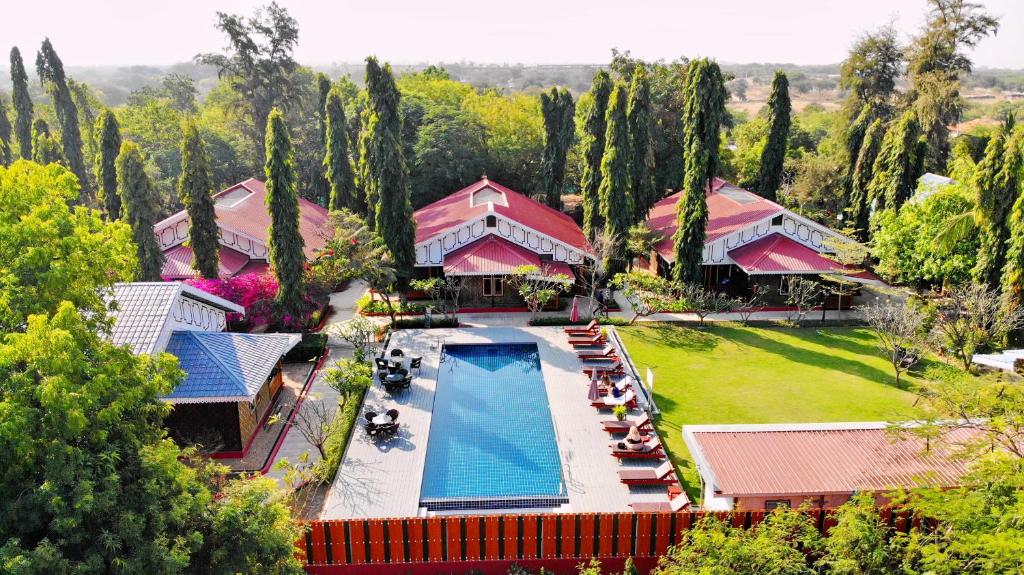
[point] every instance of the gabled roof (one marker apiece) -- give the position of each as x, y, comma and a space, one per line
492, 255
730, 208
242, 208
178, 262
224, 366
141, 309
801, 459
778, 254
487, 196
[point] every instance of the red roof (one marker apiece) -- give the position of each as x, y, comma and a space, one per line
460, 207
778, 254
764, 460
730, 208
493, 255
178, 263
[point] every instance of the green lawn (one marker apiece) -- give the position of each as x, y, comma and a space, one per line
736, 374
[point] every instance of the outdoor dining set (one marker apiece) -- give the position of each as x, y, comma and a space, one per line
394, 372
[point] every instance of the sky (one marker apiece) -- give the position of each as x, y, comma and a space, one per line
157, 32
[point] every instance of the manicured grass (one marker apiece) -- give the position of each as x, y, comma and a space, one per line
735, 374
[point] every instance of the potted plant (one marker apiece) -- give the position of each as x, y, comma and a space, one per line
620, 412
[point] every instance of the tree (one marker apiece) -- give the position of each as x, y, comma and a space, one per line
647, 294
592, 144
803, 295
387, 181
23, 113
106, 172
894, 178
973, 319
702, 115
447, 154
322, 187
615, 193
286, 243
337, 162
703, 302
897, 327
195, 186
870, 70
6, 143
140, 211
769, 175
444, 292
748, 306
259, 65
315, 422
641, 168
858, 209
536, 286
594, 272
45, 147
858, 543
1013, 272
349, 377
558, 109
359, 332
997, 181
51, 74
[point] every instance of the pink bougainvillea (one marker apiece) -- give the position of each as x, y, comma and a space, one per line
255, 292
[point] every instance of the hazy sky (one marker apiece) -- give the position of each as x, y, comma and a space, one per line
90, 32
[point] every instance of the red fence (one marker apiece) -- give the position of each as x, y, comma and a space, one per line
464, 543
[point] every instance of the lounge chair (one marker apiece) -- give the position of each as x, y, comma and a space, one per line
649, 450
596, 340
615, 426
623, 386
663, 474
611, 369
588, 329
608, 402
678, 502
600, 358
595, 354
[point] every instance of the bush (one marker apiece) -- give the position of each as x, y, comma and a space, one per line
256, 292
420, 323
311, 346
368, 305
564, 320
345, 420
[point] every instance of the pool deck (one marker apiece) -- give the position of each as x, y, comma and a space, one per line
382, 479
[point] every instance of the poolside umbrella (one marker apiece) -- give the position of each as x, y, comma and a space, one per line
574, 315
593, 394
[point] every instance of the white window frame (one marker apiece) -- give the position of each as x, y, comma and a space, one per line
496, 283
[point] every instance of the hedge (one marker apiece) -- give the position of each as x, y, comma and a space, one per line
420, 323
312, 345
367, 305
564, 320
336, 442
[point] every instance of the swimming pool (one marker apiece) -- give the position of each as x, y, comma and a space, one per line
492, 441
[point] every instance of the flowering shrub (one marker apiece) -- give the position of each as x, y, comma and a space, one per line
256, 292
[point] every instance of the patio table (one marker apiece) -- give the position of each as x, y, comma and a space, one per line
382, 419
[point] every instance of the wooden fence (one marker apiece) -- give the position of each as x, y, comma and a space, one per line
513, 537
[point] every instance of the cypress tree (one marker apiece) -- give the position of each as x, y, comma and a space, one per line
138, 202
195, 187
997, 181
1013, 270
614, 193
387, 178
286, 243
338, 165
51, 73
557, 109
22, 105
641, 167
893, 178
592, 143
322, 187
859, 211
106, 171
769, 174
6, 143
45, 147
703, 108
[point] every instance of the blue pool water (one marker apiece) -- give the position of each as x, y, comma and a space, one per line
492, 442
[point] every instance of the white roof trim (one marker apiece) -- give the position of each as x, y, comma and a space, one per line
491, 232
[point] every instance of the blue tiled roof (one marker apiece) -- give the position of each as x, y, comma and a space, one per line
224, 366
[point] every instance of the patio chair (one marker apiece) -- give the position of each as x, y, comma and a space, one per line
371, 428
393, 414
394, 386
678, 501
615, 426
414, 363
588, 329
382, 375
381, 363
388, 430
664, 474
397, 353
608, 402
649, 450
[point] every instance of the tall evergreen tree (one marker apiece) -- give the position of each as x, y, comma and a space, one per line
51, 74
557, 109
997, 181
853, 139
139, 204
23, 112
286, 243
893, 178
106, 171
45, 147
704, 107
615, 193
592, 142
195, 187
641, 157
1013, 269
322, 188
769, 174
858, 210
337, 162
387, 177
6, 141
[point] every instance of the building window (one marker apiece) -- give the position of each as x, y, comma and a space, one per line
252, 407
773, 504
492, 221
493, 286
784, 285
777, 220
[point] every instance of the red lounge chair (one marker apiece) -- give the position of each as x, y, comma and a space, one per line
663, 474
611, 369
678, 502
608, 402
650, 450
615, 426
594, 354
622, 388
589, 329
587, 341
599, 358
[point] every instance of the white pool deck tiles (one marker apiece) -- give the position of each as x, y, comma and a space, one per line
383, 479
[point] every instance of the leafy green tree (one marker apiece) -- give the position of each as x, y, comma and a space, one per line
592, 143
858, 210
893, 178
106, 171
641, 168
45, 147
872, 67
337, 162
702, 117
138, 204
196, 189
447, 154
997, 181
23, 113
6, 143
558, 109
615, 193
515, 136
286, 243
51, 74
387, 181
858, 544
1013, 271
769, 175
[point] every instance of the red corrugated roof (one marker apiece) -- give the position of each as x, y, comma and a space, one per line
458, 208
730, 208
178, 263
776, 253
819, 461
493, 255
